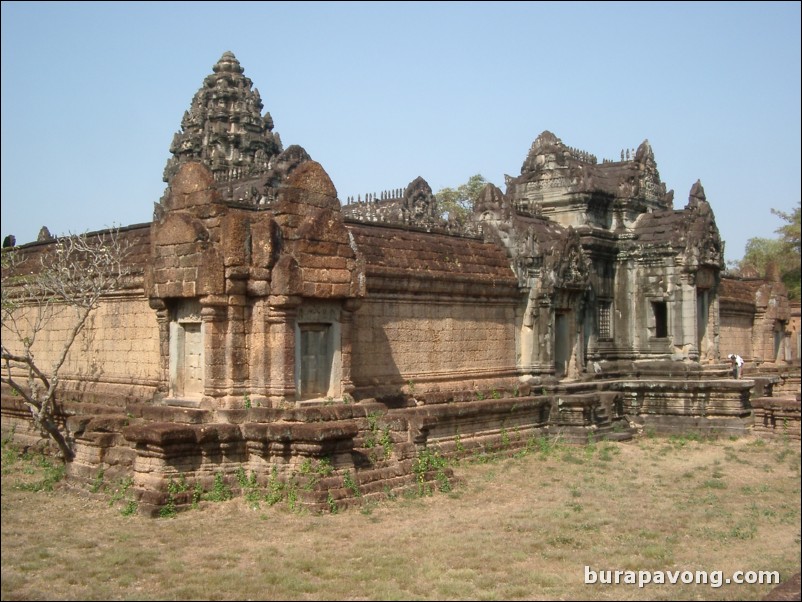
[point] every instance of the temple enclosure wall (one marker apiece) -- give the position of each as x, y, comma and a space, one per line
422, 342
756, 321
113, 359
336, 353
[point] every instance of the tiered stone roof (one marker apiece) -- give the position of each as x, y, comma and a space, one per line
408, 259
225, 130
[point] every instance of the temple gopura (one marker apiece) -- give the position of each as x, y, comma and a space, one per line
269, 327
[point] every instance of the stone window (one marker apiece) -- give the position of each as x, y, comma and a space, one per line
605, 320
660, 314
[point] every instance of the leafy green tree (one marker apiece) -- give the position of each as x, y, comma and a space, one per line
457, 204
765, 256
790, 232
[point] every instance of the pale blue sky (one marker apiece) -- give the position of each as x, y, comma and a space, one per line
380, 93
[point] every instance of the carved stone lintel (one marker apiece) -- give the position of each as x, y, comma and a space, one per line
283, 301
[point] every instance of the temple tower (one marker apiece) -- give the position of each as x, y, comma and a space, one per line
224, 129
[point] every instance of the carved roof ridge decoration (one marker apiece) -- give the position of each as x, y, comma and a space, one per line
543, 253
704, 245
420, 205
691, 232
310, 177
224, 129
549, 152
555, 171
645, 154
414, 207
697, 194
491, 198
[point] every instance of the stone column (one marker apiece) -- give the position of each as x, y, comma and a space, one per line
523, 341
542, 348
282, 312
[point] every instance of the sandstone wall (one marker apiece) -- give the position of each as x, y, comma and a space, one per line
398, 340
735, 335
754, 319
114, 358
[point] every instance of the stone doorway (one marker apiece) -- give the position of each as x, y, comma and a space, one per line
316, 360
186, 352
562, 343
702, 319
779, 339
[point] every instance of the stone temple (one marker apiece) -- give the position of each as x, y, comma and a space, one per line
271, 327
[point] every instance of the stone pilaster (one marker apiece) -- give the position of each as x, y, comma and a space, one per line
282, 312
259, 350
214, 336
236, 347
686, 318
163, 321
346, 343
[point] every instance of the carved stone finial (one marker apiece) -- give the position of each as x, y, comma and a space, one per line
644, 153
44, 235
697, 193
282, 166
546, 151
490, 199
228, 63
311, 178
419, 202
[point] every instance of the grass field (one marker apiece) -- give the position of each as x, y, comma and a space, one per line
511, 528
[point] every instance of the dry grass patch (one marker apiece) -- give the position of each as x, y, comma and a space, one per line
515, 528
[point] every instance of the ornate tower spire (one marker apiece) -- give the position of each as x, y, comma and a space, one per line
224, 128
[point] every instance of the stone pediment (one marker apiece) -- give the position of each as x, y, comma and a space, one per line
572, 268
703, 244
308, 213
303, 225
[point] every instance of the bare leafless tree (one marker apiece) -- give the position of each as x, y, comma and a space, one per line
68, 283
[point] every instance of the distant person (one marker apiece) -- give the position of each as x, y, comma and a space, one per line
737, 364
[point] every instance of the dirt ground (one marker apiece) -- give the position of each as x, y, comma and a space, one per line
536, 526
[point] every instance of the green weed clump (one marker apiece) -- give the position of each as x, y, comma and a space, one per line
427, 461
220, 490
